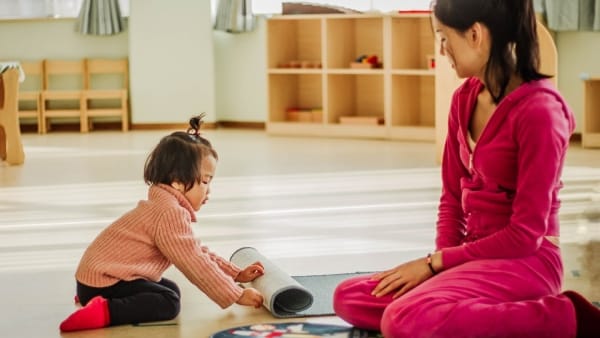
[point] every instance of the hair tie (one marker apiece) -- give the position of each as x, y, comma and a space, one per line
195, 124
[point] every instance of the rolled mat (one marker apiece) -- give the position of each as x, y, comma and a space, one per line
283, 295
291, 296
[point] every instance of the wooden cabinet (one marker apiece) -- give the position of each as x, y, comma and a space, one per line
314, 90
590, 134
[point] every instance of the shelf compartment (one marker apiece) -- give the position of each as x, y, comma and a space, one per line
328, 130
286, 91
413, 101
355, 95
412, 42
294, 41
350, 38
294, 71
590, 136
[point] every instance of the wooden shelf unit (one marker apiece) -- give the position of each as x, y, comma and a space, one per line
293, 91
401, 93
590, 135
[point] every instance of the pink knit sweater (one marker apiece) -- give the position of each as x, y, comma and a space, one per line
144, 242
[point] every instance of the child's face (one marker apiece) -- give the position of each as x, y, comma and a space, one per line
198, 195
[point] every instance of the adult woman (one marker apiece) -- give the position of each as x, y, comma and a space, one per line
496, 271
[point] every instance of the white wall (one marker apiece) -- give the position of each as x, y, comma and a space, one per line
577, 53
171, 61
241, 80
56, 38
180, 66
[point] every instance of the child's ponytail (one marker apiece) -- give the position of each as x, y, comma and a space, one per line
195, 124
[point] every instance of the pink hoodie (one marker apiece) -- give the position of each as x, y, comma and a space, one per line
500, 199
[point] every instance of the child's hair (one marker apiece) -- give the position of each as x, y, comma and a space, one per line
178, 156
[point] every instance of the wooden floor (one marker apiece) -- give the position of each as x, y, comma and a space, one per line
312, 205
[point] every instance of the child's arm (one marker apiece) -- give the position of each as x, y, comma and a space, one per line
251, 297
175, 240
250, 273
225, 265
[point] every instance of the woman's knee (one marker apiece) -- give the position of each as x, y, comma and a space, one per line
344, 293
417, 316
401, 318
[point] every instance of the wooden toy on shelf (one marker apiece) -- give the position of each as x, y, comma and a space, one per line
304, 115
366, 61
364, 120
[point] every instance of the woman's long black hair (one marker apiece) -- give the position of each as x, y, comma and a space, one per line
512, 26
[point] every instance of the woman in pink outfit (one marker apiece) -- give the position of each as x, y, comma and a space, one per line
497, 269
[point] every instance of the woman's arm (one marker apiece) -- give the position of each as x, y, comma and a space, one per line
451, 224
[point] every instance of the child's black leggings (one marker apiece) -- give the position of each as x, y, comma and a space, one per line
137, 301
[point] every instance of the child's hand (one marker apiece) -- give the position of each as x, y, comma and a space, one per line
251, 297
250, 273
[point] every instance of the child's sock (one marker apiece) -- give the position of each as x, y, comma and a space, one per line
587, 314
93, 315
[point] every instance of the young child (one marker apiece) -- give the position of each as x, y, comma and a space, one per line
119, 278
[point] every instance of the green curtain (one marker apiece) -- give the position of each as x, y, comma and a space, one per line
234, 16
100, 17
570, 15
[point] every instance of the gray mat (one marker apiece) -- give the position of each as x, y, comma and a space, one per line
286, 296
322, 288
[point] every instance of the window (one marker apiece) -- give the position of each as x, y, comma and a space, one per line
31, 9
274, 6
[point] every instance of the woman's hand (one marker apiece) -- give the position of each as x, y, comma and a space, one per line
250, 273
251, 297
401, 278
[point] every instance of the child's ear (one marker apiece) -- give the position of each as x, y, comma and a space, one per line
178, 186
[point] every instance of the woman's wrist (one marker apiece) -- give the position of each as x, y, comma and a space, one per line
434, 262
429, 262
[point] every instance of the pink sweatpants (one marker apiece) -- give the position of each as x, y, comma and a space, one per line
482, 298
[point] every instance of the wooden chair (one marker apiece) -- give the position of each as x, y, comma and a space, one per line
64, 84
102, 77
31, 92
548, 53
11, 147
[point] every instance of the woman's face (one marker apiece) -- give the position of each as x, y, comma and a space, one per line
467, 51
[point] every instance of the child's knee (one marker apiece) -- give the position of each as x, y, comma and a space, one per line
171, 285
173, 308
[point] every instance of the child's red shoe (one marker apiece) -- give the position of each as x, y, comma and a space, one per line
93, 315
